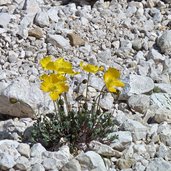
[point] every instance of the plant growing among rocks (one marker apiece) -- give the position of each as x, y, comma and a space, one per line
76, 127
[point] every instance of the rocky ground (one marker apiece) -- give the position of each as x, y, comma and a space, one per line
134, 37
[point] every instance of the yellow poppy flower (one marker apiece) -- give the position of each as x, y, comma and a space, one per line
59, 89
45, 61
64, 67
55, 84
111, 79
90, 68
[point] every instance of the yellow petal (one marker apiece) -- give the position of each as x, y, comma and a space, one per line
90, 68
54, 95
45, 61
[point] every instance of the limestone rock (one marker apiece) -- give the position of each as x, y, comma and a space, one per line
158, 164
22, 99
139, 103
91, 161
75, 39
104, 149
164, 42
72, 165
36, 32
140, 84
58, 41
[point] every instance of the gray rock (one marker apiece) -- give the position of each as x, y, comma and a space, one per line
137, 44
6, 161
155, 55
42, 19
61, 157
164, 42
161, 115
138, 130
123, 137
91, 161
158, 164
38, 167
12, 58
124, 163
161, 100
58, 41
24, 104
22, 163
24, 149
104, 56
37, 150
104, 149
139, 103
164, 133
72, 165
107, 102
9, 147
49, 163
140, 84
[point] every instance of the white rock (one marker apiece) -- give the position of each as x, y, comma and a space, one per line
107, 102
5, 2
4, 19
164, 42
138, 130
139, 103
163, 87
91, 161
104, 149
140, 84
32, 7
38, 167
29, 101
58, 41
10, 149
42, 19
53, 14
6, 161
49, 163
159, 164
37, 150
24, 149
22, 163
61, 157
155, 55
72, 165
161, 100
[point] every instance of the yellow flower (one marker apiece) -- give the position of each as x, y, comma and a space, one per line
55, 84
111, 79
90, 68
45, 61
64, 67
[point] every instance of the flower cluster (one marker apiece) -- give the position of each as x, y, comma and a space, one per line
66, 125
56, 83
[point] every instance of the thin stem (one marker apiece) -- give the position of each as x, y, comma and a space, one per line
98, 103
66, 104
56, 109
87, 87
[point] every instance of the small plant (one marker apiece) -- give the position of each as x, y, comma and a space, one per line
76, 127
